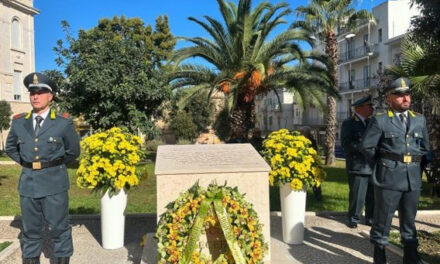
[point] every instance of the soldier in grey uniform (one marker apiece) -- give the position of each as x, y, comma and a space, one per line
396, 141
359, 169
43, 143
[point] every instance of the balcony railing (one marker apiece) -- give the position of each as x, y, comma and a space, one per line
359, 52
357, 84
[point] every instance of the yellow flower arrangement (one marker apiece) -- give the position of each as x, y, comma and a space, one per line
109, 161
199, 209
292, 160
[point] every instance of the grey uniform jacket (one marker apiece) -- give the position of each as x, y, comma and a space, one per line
57, 139
385, 134
352, 131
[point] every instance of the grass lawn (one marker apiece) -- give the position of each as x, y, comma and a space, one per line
143, 198
5, 158
429, 244
335, 193
4, 245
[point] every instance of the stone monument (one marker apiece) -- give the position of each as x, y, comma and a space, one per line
178, 167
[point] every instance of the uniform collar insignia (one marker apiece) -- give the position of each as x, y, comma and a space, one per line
411, 113
52, 114
390, 113
28, 115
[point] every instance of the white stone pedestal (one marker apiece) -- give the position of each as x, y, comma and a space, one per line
178, 167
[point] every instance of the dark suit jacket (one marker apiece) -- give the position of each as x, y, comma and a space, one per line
352, 131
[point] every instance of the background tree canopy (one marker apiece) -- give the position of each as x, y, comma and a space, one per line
115, 73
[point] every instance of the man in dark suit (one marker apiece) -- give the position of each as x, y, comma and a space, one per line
43, 142
359, 169
396, 141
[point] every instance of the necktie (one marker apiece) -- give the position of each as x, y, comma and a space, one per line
366, 121
38, 120
403, 120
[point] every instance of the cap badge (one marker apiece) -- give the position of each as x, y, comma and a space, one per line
35, 80
402, 83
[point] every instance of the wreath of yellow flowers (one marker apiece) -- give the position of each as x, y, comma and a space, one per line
109, 160
199, 209
292, 160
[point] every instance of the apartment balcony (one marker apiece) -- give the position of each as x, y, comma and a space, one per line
356, 85
358, 53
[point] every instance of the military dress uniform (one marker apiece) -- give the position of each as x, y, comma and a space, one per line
44, 180
397, 149
359, 169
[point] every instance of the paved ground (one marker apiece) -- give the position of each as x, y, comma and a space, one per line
327, 240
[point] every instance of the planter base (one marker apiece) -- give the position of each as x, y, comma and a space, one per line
293, 208
113, 220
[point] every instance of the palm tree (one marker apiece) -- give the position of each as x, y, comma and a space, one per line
243, 62
325, 18
423, 70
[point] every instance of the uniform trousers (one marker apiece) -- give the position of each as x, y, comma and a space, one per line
386, 203
361, 192
54, 210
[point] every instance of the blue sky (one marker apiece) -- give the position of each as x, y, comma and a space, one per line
83, 14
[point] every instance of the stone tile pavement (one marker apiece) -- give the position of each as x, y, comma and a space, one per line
327, 240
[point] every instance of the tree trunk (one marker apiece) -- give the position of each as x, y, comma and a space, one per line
243, 118
330, 131
331, 50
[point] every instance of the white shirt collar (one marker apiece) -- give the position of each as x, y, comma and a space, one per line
405, 113
43, 115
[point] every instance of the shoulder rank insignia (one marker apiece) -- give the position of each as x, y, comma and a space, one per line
17, 116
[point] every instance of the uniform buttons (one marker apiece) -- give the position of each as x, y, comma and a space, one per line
407, 144
408, 153
37, 157
36, 149
36, 139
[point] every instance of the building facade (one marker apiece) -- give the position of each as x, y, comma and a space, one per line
363, 55
273, 114
366, 52
17, 52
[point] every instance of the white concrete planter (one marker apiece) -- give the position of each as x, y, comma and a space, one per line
293, 208
113, 219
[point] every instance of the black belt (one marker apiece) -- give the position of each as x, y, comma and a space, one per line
38, 165
402, 158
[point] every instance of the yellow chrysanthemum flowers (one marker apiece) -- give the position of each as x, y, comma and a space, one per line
109, 160
292, 160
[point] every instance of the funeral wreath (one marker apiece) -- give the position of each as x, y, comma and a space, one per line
199, 209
